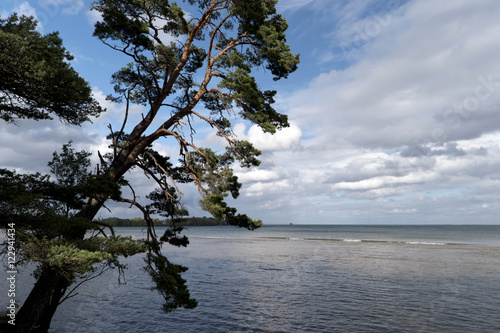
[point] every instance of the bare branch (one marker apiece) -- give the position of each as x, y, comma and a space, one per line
149, 222
69, 295
105, 225
213, 124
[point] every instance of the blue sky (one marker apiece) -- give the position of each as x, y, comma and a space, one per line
394, 113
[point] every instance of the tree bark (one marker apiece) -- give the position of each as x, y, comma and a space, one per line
37, 311
39, 308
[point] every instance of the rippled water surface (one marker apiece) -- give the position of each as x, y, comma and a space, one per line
309, 279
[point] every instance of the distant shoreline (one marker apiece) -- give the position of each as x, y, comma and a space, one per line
116, 222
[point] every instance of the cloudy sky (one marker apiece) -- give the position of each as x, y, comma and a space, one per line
394, 111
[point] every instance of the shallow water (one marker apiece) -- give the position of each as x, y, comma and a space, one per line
309, 278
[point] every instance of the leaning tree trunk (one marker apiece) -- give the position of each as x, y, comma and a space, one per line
37, 311
39, 308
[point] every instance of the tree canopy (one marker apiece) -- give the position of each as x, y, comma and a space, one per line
204, 74
36, 80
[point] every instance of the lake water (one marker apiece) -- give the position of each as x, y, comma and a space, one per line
309, 279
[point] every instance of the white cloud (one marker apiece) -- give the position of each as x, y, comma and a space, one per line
385, 181
115, 113
24, 8
256, 175
93, 16
408, 210
260, 188
286, 138
402, 90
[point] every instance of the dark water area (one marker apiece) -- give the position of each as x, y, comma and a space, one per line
309, 279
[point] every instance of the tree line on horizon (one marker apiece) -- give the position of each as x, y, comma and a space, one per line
141, 222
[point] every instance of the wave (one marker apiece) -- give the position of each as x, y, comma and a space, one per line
344, 240
351, 240
427, 243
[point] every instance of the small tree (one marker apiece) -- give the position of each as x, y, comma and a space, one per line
205, 75
48, 230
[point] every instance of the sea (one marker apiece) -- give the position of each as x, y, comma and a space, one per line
306, 278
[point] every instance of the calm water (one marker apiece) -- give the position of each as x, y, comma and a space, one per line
309, 279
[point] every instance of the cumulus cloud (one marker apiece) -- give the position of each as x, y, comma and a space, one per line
450, 149
31, 143
412, 122
257, 175
408, 210
410, 88
115, 113
286, 138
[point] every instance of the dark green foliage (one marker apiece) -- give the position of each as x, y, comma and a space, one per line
35, 79
248, 153
124, 21
161, 165
70, 168
74, 180
259, 18
44, 212
33, 201
129, 26
214, 172
18, 193
214, 203
169, 282
121, 21
172, 236
166, 204
128, 23
255, 104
